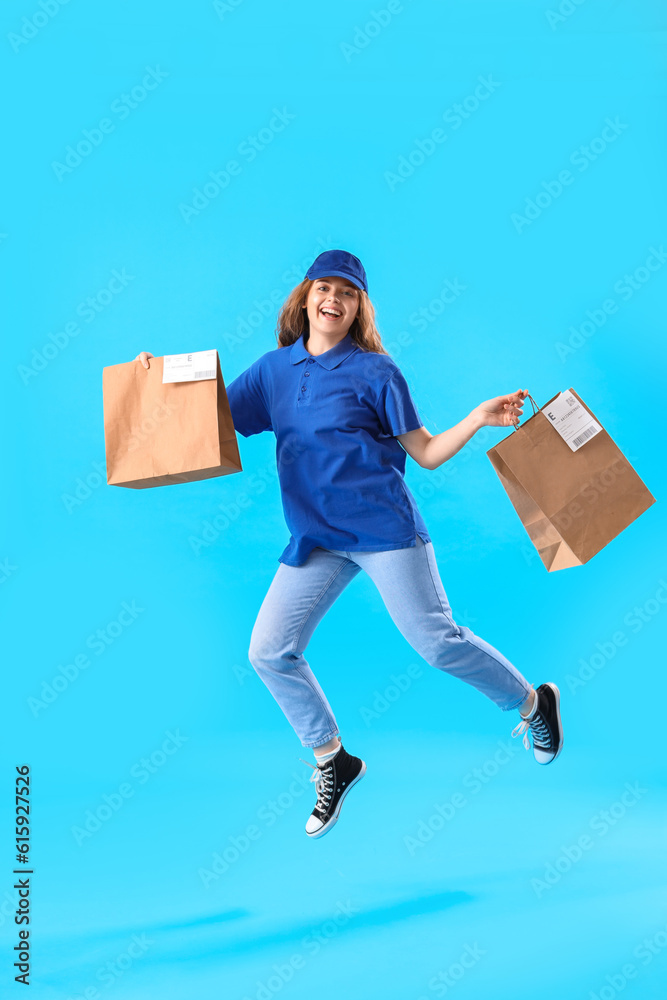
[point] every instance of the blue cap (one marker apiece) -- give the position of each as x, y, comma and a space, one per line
341, 264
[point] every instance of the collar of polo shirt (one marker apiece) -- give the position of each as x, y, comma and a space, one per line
330, 359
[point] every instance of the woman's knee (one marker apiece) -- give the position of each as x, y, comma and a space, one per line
258, 651
268, 650
441, 646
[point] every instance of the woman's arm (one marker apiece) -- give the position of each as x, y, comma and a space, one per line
432, 450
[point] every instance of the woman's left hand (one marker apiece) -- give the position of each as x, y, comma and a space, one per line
502, 411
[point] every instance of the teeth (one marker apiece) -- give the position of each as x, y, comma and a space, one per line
330, 312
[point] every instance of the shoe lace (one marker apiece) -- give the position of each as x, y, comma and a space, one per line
323, 778
537, 728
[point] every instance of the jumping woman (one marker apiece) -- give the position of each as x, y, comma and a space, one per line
343, 418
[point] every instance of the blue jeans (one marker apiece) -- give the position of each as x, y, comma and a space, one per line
410, 586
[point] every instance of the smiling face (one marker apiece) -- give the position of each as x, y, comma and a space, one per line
332, 305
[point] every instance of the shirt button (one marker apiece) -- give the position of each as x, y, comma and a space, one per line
303, 388
306, 374
310, 360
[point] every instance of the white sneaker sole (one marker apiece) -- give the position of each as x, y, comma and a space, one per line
556, 692
334, 819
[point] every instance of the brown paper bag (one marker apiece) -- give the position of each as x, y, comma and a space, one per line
570, 503
157, 435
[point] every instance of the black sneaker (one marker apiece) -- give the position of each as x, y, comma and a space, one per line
333, 781
544, 725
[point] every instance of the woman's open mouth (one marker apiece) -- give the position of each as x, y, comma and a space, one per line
331, 314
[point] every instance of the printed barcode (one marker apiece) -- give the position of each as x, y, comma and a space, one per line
210, 374
589, 432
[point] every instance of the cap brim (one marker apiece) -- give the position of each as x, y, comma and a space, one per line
339, 274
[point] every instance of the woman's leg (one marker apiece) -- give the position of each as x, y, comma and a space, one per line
410, 586
296, 601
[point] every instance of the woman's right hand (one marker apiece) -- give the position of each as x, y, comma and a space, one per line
143, 357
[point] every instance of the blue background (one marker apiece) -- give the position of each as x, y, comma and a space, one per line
360, 101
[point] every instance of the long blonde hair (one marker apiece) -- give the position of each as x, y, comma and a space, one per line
293, 320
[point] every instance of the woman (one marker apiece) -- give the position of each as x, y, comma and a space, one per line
344, 419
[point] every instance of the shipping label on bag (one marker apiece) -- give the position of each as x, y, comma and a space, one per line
573, 421
189, 367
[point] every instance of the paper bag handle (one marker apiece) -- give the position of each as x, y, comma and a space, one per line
535, 410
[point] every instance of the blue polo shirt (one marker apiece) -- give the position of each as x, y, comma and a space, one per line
336, 417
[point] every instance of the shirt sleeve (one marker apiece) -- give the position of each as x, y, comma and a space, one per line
396, 409
250, 413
